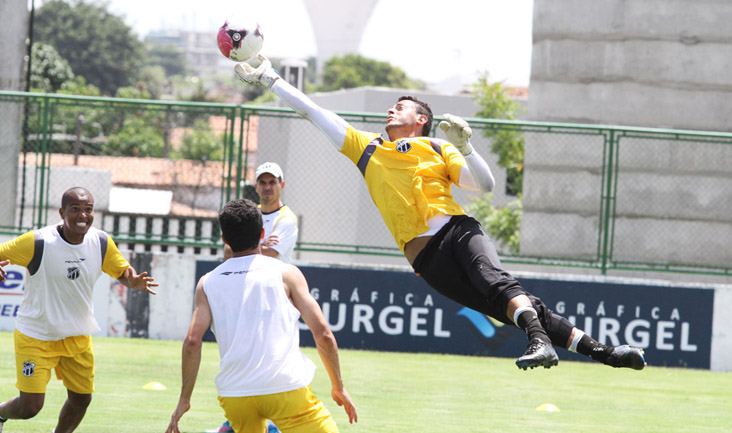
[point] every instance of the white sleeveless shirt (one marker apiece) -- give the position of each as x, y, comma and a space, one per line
58, 300
256, 327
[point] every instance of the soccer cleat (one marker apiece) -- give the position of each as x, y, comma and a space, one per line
539, 353
626, 357
225, 427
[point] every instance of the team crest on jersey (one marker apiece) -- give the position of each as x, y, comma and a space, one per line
73, 273
403, 146
29, 368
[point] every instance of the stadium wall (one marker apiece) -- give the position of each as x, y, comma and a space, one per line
390, 309
654, 64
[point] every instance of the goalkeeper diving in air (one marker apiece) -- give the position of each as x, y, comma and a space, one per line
409, 177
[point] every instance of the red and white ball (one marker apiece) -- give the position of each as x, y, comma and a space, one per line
240, 43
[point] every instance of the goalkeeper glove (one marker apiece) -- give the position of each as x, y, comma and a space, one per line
458, 133
263, 74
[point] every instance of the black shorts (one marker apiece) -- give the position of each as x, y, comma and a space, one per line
461, 262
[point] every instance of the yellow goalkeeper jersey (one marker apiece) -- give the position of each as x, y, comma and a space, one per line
409, 180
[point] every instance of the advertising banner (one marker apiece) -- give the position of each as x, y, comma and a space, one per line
397, 311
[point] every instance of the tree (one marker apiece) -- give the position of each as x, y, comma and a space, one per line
354, 70
49, 71
508, 143
201, 143
137, 137
504, 223
97, 44
166, 56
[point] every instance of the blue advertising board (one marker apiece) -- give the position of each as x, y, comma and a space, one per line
397, 311
11, 293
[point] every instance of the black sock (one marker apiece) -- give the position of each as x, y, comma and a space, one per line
597, 351
532, 326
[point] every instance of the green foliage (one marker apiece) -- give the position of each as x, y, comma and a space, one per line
201, 144
152, 79
503, 223
79, 86
137, 137
263, 99
166, 56
97, 44
508, 143
131, 92
49, 71
354, 70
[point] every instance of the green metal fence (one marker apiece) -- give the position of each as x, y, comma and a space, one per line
594, 196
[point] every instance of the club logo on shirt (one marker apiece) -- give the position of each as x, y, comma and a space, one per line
73, 273
29, 368
403, 146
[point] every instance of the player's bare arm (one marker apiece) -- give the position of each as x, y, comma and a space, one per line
267, 245
191, 356
297, 290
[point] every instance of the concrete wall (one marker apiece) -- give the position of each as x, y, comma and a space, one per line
13, 32
658, 64
654, 63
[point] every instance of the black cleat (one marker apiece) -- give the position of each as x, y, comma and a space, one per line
626, 357
539, 353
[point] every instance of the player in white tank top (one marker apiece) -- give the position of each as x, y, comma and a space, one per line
253, 303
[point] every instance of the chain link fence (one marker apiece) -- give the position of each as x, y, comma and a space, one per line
593, 196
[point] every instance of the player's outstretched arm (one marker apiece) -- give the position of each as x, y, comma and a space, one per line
297, 290
332, 125
479, 175
191, 355
3, 273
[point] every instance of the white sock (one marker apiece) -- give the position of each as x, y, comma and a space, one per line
520, 310
575, 341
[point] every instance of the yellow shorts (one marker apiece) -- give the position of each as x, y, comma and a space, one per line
72, 358
297, 411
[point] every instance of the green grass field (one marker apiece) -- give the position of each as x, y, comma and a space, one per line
397, 392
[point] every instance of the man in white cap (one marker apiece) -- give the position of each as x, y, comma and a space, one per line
280, 222
280, 229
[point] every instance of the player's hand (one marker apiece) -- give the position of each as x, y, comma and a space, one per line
458, 133
138, 281
263, 74
271, 240
179, 411
3, 273
341, 397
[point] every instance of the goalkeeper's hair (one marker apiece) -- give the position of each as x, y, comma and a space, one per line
422, 108
241, 224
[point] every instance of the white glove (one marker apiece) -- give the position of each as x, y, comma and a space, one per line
263, 74
458, 133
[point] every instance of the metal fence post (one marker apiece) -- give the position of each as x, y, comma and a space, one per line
607, 199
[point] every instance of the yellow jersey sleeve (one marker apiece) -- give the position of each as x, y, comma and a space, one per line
19, 250
114, 264
454, 161
355, 143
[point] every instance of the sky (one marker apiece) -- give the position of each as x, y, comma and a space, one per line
459, 38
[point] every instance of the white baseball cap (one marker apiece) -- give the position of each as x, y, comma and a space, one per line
269, 167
